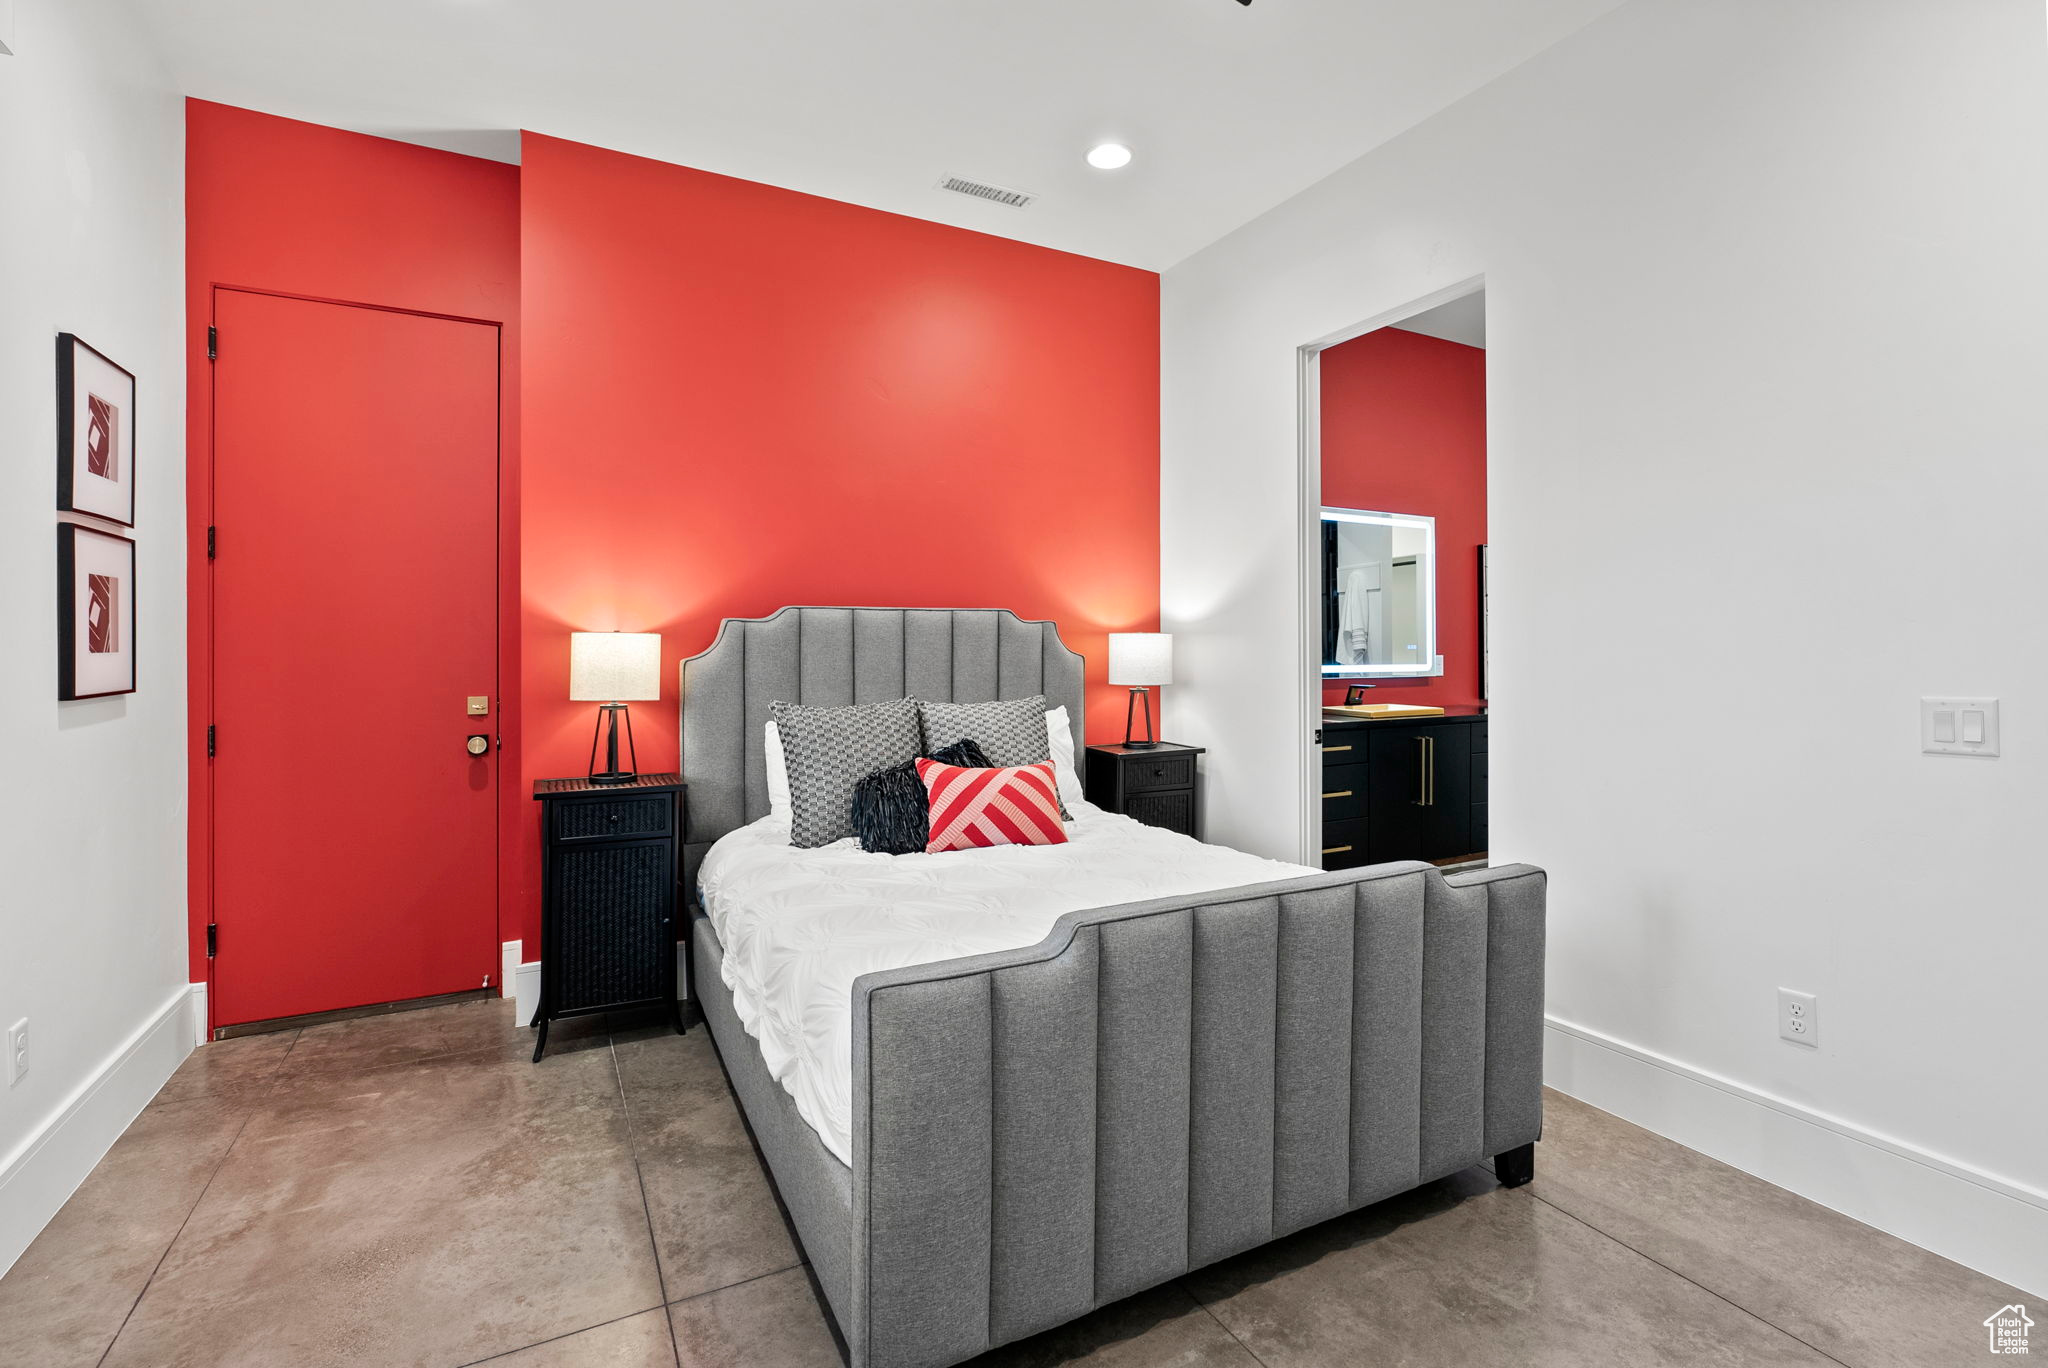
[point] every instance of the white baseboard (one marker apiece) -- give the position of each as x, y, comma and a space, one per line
199, 1027
46, 1168
525, 980
526, 990
1981, 1220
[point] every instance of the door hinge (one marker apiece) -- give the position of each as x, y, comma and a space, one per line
1319, 730
212, 939
212, 343
209, 543
209, 743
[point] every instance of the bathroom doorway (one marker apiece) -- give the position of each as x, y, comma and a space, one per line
1394, 503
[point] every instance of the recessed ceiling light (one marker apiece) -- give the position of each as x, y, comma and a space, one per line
1109, 156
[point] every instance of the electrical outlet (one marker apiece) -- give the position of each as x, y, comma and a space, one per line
1799, 1017
17, 1051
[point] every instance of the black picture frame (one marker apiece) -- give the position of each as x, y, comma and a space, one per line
70, 456
68, 642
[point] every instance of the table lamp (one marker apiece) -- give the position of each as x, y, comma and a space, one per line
1140, 660
609, 669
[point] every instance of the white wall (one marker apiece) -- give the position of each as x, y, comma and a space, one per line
1765, 281
92, 793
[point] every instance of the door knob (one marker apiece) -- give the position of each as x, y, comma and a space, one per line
478, 745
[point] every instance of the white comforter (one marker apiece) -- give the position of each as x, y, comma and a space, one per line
799, 926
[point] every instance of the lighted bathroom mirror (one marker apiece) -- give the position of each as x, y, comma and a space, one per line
1379, 595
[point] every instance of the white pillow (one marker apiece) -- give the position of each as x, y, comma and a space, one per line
778, 774
1059, 736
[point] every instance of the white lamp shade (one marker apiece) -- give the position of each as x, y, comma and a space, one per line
1140, 658
614, 667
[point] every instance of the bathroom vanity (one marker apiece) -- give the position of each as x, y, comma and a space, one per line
1404, 788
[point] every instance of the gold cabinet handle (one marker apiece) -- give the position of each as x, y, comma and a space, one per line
1335, 850
1340, 793
1425, 755
1332, 750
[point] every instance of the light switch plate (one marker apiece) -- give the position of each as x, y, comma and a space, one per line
1949, 724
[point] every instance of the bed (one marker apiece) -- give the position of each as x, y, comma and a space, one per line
989, 1113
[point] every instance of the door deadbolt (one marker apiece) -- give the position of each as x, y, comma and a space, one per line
478, 745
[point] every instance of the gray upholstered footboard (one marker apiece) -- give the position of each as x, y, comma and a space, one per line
1161, 1085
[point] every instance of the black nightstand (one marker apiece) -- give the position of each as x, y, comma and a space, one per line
1158, 785
609, 897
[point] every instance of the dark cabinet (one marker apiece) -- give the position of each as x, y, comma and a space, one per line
608, 897
1157, 785
1479, 789
1407, 789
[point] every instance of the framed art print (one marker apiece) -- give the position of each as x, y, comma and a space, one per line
95, 613
95, 433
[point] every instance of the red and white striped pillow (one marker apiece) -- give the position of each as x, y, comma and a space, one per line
991, 807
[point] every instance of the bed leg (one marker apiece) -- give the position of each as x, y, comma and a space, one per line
688, 971
1516, 1167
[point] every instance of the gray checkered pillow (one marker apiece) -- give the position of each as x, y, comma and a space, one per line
1010, 731
828, 750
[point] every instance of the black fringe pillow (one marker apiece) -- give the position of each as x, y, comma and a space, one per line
891, 812
964, 753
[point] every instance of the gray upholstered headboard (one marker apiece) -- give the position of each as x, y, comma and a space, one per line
835, 656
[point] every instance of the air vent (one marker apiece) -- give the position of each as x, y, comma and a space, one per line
1016, 199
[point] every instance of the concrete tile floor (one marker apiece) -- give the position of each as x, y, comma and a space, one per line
410, 1190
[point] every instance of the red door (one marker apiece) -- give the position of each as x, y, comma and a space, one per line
355, 493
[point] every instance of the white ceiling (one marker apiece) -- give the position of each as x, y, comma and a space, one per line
1461, 320
1231, 109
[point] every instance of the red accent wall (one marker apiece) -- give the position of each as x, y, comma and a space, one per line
738, 397
296, 208
1404, 431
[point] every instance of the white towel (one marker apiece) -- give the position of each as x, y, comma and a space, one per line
1354, 636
